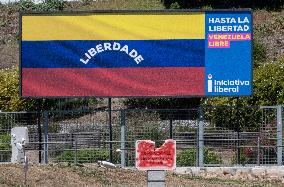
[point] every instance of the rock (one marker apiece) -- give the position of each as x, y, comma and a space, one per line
229, 171
106, 164
217, 171
274, 174
258, 172
195, 171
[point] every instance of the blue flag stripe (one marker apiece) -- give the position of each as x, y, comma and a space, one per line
113, 54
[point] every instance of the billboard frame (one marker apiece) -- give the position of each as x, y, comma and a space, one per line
129, 12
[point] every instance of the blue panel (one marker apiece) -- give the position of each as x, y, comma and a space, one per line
229, 68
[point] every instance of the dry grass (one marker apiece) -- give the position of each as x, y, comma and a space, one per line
9, 55
269, 30
93, 175
116, 5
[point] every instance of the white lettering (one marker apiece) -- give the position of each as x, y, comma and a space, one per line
125, 49
116, 46
138, 59
133, 53
99, 48
92, 51
107, 46
84, 61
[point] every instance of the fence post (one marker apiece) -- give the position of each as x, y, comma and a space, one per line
39, 130
171, 128
110, 131
201, 138
122, 138
279, 135
258, 151
76, 151
45, 124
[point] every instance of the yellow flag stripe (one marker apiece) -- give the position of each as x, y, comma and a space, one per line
113, 27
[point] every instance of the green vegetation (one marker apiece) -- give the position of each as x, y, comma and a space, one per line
48, 5
5, 147
86, 156
5, 142
9, 92
188, 157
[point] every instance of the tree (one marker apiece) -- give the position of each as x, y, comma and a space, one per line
9, 92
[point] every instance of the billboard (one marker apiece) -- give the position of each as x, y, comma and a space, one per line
133, 54
150, 158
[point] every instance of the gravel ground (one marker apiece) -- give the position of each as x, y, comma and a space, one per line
94, 175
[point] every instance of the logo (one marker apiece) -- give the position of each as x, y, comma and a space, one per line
225, 86
209, 83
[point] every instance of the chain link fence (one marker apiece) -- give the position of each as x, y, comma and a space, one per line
205, 136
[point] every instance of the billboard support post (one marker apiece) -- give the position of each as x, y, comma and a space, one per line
45, 124
238, 132
122, 138
279, 135
171, 128
110, 130
201, 137
39, 130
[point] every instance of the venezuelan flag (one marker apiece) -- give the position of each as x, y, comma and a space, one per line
113, 55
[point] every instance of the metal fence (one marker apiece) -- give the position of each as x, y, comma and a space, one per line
206, 136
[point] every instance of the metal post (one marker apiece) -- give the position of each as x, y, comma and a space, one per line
122, 138
39, 131
279, 135
76, 151
258, 151
110, 130
201, 138
171, 119
238, 133
45, 124
171, 128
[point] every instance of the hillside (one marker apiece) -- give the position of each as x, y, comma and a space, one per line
268, 26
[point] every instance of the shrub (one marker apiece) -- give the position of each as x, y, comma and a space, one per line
259, 53
86, 156
48, 5
5, 142
175, 5
5, 148
188, 157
